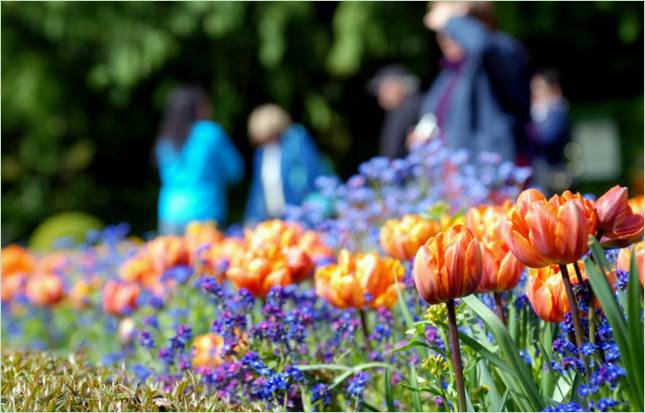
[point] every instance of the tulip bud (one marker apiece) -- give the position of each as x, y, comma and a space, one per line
448, 266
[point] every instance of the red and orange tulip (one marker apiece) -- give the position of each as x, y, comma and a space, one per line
16, 259
625, 256
485, 222
167, 252
120, 297
359, 280
620, 226
45, 289
546, 293
541, 232
501, 271
260, 270
401, 238
448, 266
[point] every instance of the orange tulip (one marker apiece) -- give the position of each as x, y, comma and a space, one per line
273, 233
120, 297
167, 252
401, 238
541, 232
619, 224
207, 350
45, 289
311, 242
625, 256
16, 259
636, 204
260, 270
199, 234
359, 280
300, 264
139, 269
501, 271
448, 266
546, 293
485, 221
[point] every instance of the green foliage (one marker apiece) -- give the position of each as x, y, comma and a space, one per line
46, 382
74, 225
84, 84
628, 332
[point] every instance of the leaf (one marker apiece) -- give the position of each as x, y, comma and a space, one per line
502, 403
389, 396
416, 400
604, 293
509, 351
634, 324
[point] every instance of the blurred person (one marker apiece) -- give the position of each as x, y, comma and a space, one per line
197, 162
397, 92
550, 132
285, 166
480, 100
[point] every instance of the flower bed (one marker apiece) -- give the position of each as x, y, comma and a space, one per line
426, 283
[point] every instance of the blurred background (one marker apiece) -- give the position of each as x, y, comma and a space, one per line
83, 88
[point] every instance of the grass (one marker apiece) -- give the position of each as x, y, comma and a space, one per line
34, 381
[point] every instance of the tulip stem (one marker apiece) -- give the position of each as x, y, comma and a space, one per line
456, 356
573, 305
366, 331
499, 308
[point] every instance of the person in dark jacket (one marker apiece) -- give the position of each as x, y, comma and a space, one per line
550, 131
480, 99
397, 92
285, 166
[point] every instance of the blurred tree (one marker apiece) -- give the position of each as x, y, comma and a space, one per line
84, 83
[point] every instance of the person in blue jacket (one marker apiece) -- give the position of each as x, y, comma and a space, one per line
285, 166
480, 100
197, 162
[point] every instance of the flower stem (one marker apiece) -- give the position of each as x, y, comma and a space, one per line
573, 305
366, 331
499, 308
456, 356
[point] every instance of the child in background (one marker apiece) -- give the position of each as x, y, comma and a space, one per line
286, 163
197, 162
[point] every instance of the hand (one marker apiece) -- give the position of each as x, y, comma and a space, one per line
441, 11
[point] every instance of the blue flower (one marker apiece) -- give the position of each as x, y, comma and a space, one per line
321, 392
357, 384
179, 273
606, 403
141, 372
146, 340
